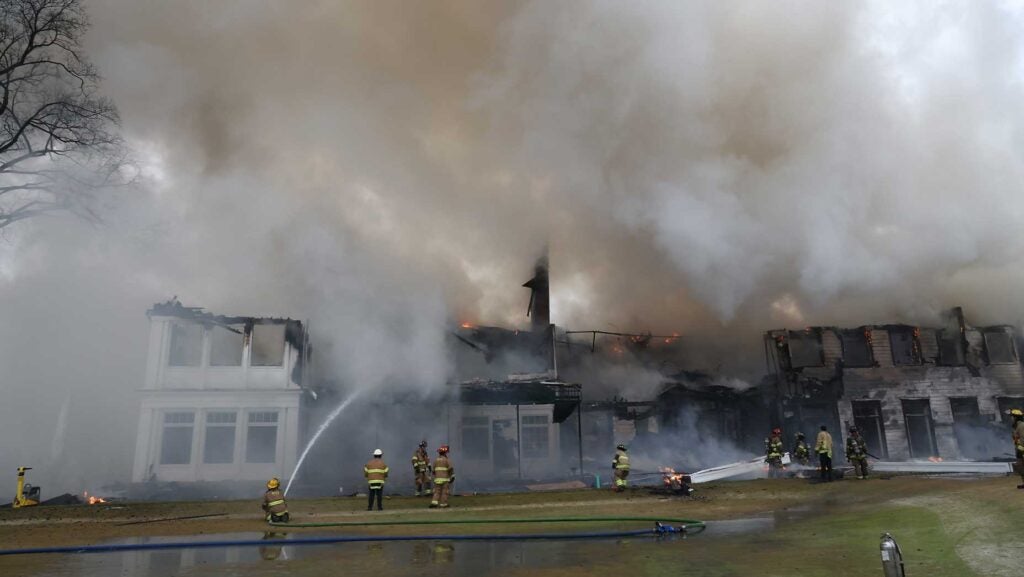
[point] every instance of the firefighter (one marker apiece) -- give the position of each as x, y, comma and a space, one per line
376, 473
1018, 442
620, 466
421, 470
801, 452
444, 476
857, 453
273, 503
823, 447
773, 451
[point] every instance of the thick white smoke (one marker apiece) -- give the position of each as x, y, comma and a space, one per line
382, 167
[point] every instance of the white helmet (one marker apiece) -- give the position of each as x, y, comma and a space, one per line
378, 453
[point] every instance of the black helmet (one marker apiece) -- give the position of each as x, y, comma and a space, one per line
853, 429
799, 435
621, 447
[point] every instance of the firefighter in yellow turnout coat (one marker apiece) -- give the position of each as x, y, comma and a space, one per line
376, 473
620, 465
444, 476
274, 504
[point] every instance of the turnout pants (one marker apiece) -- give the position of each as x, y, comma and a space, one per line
376, 493
860, 467
422, 482
825, 465
441, 494
1020, 465
620, 479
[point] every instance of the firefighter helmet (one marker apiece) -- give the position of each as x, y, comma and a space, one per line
776, 431
442, 450
423, 443
377, 453
853, 429
1017, 412
621, 447
799, 435
273, 483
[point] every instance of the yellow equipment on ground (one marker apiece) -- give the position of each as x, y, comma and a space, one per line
27, 495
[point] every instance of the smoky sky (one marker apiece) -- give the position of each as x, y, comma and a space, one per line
383, 168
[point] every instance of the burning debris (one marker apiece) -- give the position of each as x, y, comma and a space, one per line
92, 499
676, 482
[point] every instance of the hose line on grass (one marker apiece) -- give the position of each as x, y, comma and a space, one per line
662, 526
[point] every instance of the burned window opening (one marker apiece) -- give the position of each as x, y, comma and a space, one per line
226, 346
867, 417
1007, 403
805, 349
857, 348
917, 415
186, 345
999, 348
903, 341
267, 345
969, 427
951, 348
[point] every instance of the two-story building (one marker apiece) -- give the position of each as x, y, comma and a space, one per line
913, 392
220, 398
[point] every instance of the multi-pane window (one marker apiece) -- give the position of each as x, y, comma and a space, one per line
267, 346
476, 443
261, 437
226, 344
186, 346
219, 445
535, 433
176, 440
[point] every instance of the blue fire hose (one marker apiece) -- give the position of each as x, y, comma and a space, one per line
658, 530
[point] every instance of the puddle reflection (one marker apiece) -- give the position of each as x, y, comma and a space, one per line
452, 559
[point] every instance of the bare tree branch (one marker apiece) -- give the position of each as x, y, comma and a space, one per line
59, 145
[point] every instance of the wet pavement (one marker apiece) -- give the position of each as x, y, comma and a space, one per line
419, 558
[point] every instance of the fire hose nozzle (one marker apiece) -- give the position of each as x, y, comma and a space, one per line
661, 528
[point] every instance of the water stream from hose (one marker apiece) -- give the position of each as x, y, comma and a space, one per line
327, 422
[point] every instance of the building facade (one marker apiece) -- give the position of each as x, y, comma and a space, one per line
220, 400
913, 392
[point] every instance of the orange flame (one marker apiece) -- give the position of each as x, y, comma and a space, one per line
466, 325
93, 500
669, 476
935, 459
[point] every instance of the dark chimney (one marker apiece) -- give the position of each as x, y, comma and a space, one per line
539, 310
